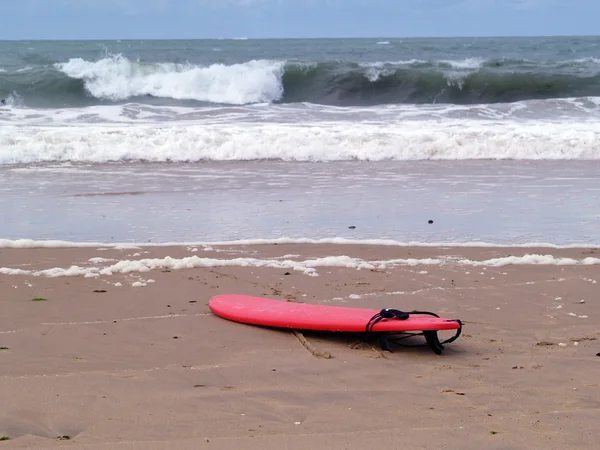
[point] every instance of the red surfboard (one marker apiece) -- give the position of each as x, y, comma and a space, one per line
303, 316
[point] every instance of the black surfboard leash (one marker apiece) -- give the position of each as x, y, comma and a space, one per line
431, 336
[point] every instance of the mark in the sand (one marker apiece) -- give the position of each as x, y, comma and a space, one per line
38, 299
418, 291
92, 322
107, 194
359, 345
308, 346
276, 292
99, 290
10, 331
544, 344
583, 339
4, 348
125, 373
447, 391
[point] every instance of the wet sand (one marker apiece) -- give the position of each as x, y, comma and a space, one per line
150, 367
502, 202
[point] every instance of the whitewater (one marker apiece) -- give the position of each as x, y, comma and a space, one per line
427, 140
243, 100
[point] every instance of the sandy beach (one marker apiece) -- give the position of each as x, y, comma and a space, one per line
123, 352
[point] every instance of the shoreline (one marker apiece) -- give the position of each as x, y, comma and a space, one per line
312, 259
281, 254
25, 243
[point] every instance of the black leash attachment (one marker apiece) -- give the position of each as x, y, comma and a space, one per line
386, 313
431, 336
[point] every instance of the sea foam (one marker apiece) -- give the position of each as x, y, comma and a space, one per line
307, 267
423, 140
118, 78
208, 245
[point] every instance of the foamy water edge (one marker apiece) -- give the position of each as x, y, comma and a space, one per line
33, 244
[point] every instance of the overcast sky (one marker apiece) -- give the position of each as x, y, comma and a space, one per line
174, 19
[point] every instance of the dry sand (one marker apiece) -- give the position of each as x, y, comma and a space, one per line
151, 368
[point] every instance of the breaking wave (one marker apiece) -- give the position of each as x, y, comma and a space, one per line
115, 78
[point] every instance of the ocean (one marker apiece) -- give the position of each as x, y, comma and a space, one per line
493, 140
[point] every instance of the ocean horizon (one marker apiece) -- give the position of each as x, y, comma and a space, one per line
309, 38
